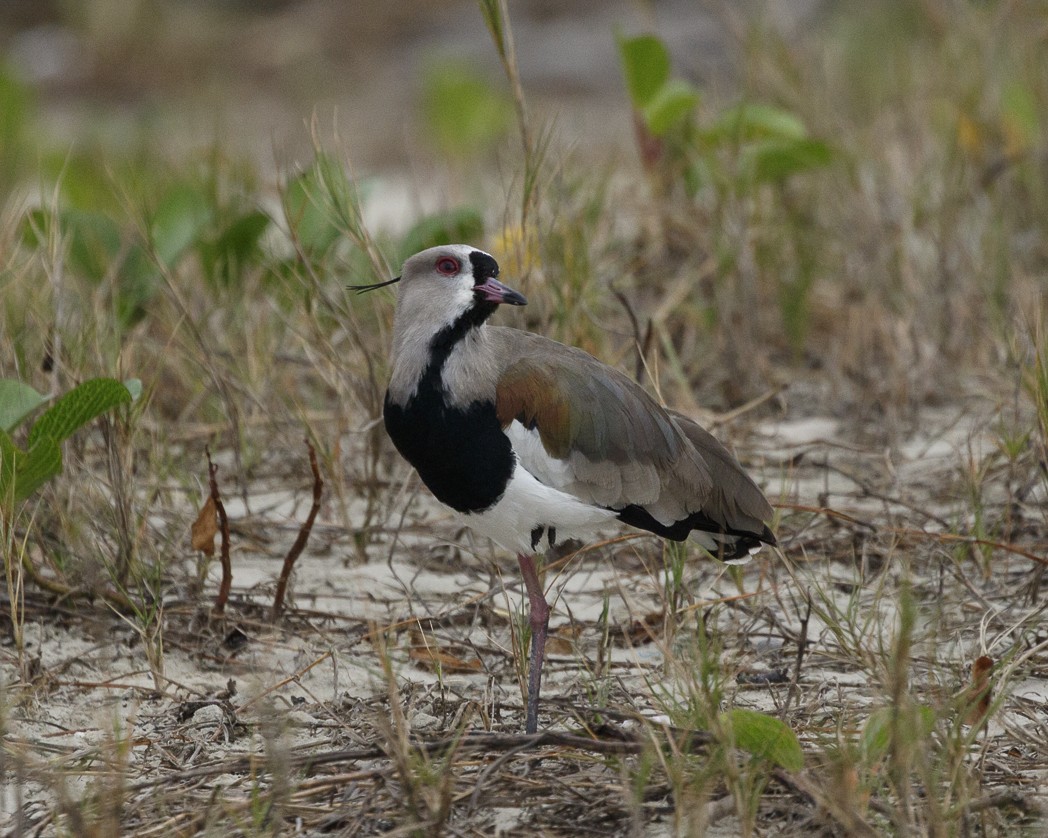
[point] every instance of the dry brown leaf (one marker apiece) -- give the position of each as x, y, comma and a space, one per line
979, 692
429, 655
558, 646
646, 629
563, 640
205, 528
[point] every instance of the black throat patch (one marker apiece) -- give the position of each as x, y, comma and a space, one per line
484, 267
461, 454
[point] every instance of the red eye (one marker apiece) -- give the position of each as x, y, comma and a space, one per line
448, 266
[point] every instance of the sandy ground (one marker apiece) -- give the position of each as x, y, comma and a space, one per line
441, 608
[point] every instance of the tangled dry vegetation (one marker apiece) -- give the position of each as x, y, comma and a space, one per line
869, 333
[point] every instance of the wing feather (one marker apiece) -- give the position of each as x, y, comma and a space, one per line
612, 443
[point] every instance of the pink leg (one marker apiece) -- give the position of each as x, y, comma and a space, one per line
539, 620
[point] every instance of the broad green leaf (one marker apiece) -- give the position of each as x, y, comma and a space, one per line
94, 242
236, 247
463, 224
76, 408
750, 121
309, 208
774, 161
137, 283
765, 737
23, 472
17, 401
182, 215
241, 236
646, 66
673, 101
35, 467
8, 463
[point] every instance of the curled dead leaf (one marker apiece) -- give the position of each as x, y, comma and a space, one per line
979, 692
205, 528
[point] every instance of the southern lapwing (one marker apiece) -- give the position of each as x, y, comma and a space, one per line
534, 442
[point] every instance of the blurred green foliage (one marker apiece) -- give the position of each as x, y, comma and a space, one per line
309, 205
127, 243
725, 160
766, 144
464, 113
462, 224
15, 112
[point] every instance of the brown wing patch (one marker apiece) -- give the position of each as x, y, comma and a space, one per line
530, 395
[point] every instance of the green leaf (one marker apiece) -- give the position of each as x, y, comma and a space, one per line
36, 466
646, 66
17, 401
750, 121
137, 282
8, 464
94, 242
182, 215
241, 236
308, 205
236, 246
669, 106
774, 161
23, 472
76, 408
463, 224
765, 737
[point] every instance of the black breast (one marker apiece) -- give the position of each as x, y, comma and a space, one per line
462, 455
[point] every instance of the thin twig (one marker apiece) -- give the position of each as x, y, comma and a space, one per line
223, 525
479, 742
638, 339
802, 645
921, 535
303, 534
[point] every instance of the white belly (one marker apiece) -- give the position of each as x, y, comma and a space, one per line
527, 504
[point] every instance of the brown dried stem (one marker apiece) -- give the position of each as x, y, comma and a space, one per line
223, 525
303, 534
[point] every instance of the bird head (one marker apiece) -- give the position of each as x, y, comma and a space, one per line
448, 282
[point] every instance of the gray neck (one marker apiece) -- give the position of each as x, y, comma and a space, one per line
469, 371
